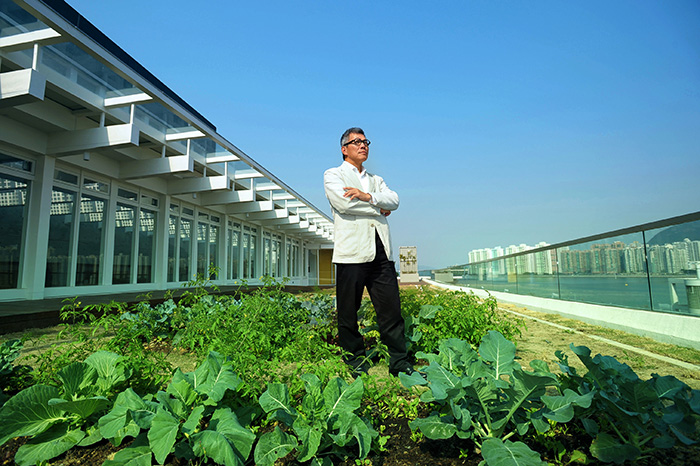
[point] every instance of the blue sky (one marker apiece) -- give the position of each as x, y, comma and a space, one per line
497, 122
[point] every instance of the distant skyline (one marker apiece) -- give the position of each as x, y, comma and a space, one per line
496, 122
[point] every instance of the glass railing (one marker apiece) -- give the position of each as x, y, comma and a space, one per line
655, 266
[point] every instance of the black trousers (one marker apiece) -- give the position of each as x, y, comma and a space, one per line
379, 277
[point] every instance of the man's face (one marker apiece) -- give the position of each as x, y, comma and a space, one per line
354, 154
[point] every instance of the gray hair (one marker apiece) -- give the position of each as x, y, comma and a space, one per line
346, 135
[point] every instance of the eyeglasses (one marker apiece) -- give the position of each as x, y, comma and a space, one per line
358, 142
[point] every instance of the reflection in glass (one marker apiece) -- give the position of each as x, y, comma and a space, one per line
673, 255
266, 254
235, 254
147, 230
90, 241
246, 253
213, 249
201, 248
13, 201
185, 249
172, 241
253, 241
58, 256
123, 244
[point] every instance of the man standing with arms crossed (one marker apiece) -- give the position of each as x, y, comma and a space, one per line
360, 202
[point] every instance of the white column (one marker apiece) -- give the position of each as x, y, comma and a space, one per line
37, 229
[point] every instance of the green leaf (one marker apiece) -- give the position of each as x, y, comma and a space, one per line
55, 441
132, 456
83, 408
79, 379
162, 434
428, 311
668, 386
193, 420
609, 450
111, 369
410, 380
119, 422
338, 396
224, 421
92, 436
309, 435
561, 407
29, 413
272, 446
499, 453
213, 445
276, 399
441, 380
435, 427
212, 378
499, 352
182, 391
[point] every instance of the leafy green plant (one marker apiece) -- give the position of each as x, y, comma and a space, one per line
12, 377
630, 417
59, 418
324, 424
197, 416
487, 395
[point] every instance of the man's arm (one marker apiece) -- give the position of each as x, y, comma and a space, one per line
385, 198
347, 200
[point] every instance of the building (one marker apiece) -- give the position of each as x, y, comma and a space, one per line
112, 183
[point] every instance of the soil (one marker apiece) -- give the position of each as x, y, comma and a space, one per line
538, 341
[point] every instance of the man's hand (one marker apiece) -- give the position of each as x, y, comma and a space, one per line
384, 212
354, 193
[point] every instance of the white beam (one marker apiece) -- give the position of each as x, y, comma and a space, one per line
266, 187
283, 197
245, 174
21, 87
270, 215
227, 197
220, 157
72, 142
155, 167
126, 100
194, 134
248, 207
25, 40
196, 185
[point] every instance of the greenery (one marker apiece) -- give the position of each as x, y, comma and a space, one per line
271, 383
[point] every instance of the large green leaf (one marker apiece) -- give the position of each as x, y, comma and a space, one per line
352, 427
338, 396
225, 422
428, 311
49, 444
213, 378
607, 449
192, 423
499, 352
111, 369
276, 400
79, 379
29, 413
272, 446
312, 404
435, 427
162, 434
132, 456
309, 435
499, 453
84, 407
119, 422
561, 408
668, 386
182, 391
213, 445
441, 380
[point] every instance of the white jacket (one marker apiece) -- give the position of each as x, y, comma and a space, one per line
356, 221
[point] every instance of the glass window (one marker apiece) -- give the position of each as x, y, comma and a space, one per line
98, 186
185, 249
246, 252
147, 230
126, 194
58, 256
123, 243
14, 20
202, 246
234, 254
213, 248
90, 240
253, 242
13, 202
14, 163
172, 242
70, 178
266, 253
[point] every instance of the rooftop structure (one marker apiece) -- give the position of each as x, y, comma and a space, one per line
112, 183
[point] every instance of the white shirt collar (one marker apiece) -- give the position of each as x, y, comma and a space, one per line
354, 168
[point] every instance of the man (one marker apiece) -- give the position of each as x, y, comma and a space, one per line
361, 202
